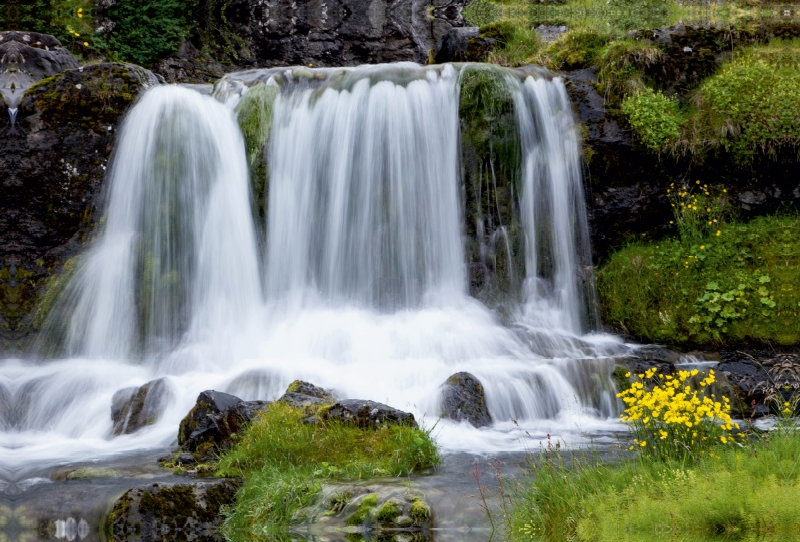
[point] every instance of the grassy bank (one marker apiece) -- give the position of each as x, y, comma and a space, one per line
284, 462
738, 494
730, 283
689, 474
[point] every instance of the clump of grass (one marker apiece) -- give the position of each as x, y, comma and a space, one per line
573, 49
517, 41
621, 65
738, 282
284, 462
740, 491
751, 105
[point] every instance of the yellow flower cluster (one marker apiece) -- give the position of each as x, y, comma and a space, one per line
670, 417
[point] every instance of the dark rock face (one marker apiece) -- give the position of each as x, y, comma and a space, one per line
134, 408
164, 511
28, 57
627, 184
211, 423
368, 414
462, 45
463, 398
53, 159
265, 34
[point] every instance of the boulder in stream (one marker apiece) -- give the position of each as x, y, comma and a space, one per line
134, 408
368, 414
213, 420
463, 398
167, 511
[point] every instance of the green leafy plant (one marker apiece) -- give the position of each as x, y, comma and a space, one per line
655, 118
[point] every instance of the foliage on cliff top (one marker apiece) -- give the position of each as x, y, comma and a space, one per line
284, 461
736, 282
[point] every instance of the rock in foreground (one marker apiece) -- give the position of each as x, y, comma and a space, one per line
164, 511
463, 398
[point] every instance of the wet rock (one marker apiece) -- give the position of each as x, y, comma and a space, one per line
53, 158
463, 398
549, 33
164, 511
368, 414
462, 45
302, 394
212, 422
134, 408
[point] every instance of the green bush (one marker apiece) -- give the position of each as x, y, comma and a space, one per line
284, 462
146, 31
741, 282
655, 118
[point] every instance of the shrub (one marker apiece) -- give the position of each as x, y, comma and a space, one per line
146, 31
621, 65
654, 117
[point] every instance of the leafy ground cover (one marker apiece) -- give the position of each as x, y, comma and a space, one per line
715, 282
284, 462
721, 487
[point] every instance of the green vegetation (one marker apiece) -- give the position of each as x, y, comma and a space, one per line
654, 117
689, 476
738, 493
284, 463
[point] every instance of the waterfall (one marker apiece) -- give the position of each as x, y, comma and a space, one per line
363, 204
362, 283
176, 252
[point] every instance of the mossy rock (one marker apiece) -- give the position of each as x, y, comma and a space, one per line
188, 509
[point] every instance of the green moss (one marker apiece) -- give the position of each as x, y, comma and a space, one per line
338, 502
52, 291
420, 511
294, 387
254, 115
388, 512
364, 508
517, 42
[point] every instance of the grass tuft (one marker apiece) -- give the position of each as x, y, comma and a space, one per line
284, 463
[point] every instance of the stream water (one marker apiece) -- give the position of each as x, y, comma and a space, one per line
360, 283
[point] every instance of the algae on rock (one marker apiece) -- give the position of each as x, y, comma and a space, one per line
491, 158
254, 114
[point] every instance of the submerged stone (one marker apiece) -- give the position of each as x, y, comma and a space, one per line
463, 398
86, 473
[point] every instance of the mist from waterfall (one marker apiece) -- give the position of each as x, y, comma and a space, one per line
362, 285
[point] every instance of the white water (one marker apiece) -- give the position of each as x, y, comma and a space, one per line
363, 288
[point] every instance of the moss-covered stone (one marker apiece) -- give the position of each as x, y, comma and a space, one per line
367, 504
179, 509
491, 155
254, 114
420, 511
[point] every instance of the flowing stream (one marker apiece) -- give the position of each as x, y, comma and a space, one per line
359, 282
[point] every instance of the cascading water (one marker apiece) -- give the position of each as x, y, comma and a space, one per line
364, 276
